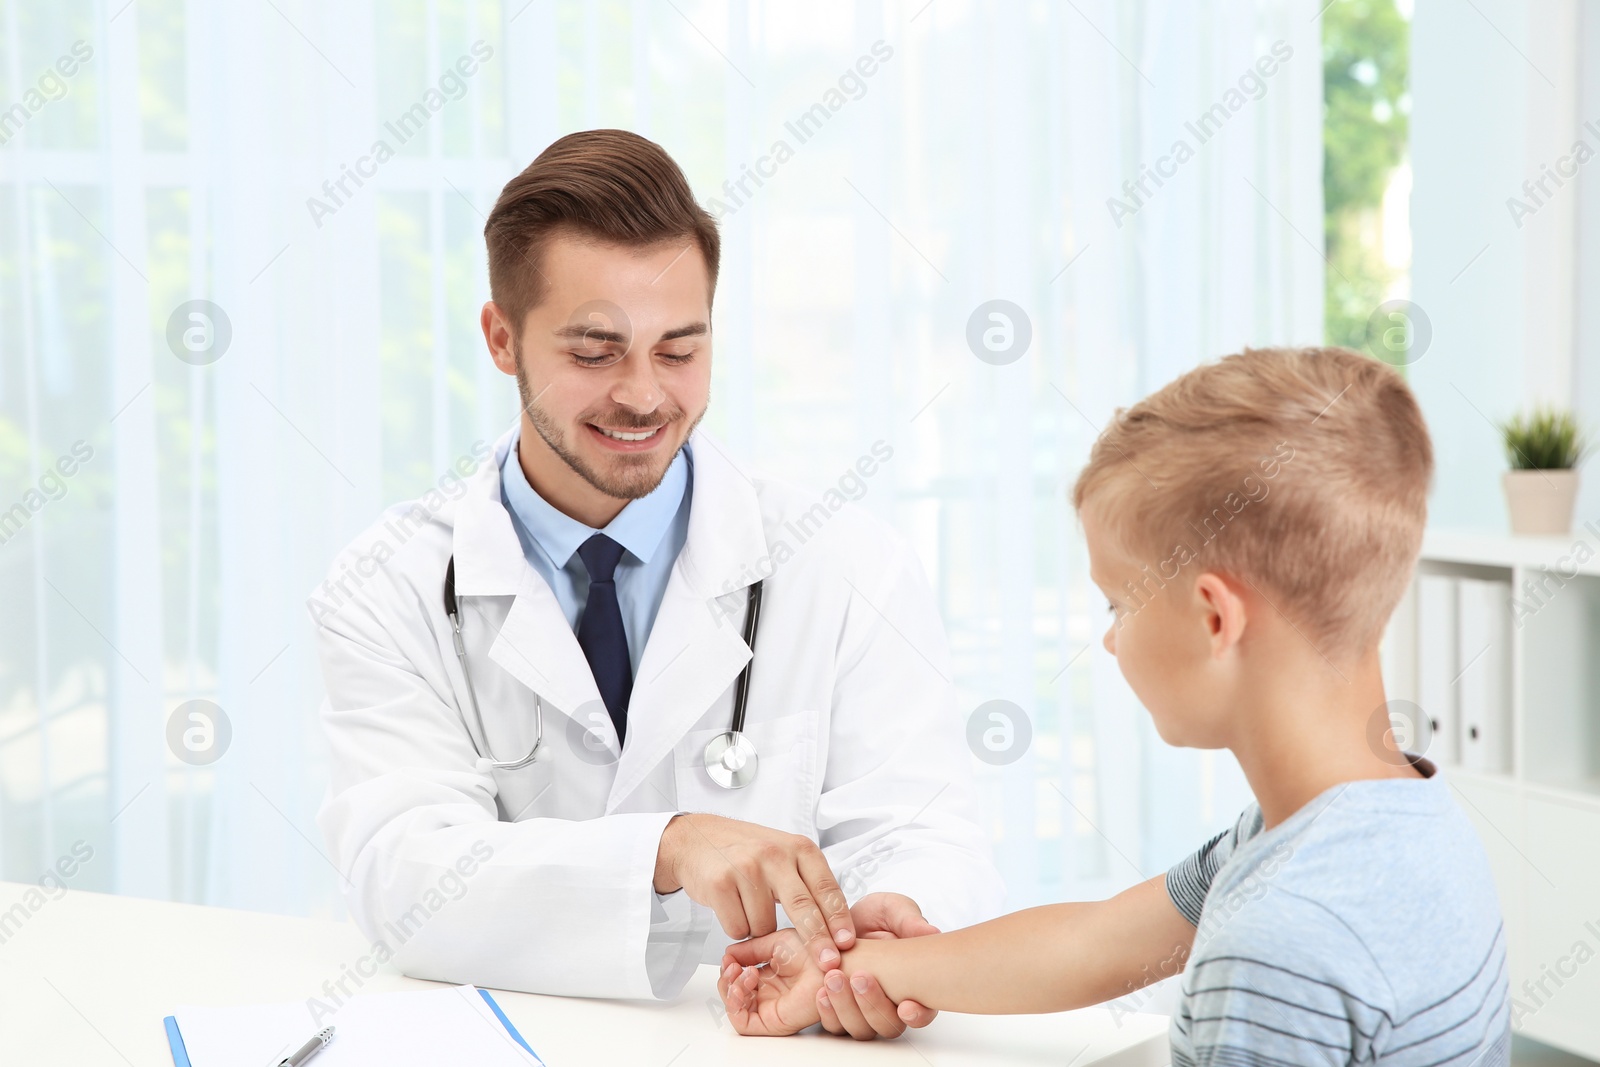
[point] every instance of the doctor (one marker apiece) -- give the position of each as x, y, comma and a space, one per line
601, 564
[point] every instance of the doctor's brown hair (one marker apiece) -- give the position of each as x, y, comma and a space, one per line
1303, 471
607, 184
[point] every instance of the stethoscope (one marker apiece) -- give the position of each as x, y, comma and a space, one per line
730, 757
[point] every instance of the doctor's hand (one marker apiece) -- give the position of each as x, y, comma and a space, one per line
742, 871
860, 1007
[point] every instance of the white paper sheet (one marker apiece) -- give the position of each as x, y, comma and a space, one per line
423, 1028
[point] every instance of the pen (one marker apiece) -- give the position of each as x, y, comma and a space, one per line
318, 1042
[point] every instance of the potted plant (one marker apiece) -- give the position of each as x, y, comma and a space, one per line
1543, 448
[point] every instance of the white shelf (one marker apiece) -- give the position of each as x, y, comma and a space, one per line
1554, 638
1540, 818
1582, 792
1476, 548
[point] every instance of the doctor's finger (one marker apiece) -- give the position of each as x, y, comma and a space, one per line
728, 906
845, 1008
876, 1007
757, 950
825, 1013
828, 896
807, 917
915, 1015
760, 909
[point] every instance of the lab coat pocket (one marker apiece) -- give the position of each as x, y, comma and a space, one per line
783, 794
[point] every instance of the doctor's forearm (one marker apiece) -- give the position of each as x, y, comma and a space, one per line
663, 880
1052, 958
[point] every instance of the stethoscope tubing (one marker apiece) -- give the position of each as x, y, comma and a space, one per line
741, 690
452, 609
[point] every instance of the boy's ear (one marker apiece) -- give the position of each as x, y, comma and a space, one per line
1222, 610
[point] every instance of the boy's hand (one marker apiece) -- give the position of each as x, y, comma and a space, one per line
775, 1000
791, 992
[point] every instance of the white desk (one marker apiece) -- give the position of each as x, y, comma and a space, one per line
87, 979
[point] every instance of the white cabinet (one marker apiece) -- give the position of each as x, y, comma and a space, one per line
1495, 807
1539, 814
1560, 983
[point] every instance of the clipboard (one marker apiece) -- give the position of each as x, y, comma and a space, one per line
180, 1055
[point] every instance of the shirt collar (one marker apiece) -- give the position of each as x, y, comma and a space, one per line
640, 527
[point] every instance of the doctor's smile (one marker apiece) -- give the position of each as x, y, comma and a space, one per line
625, 437
630, 440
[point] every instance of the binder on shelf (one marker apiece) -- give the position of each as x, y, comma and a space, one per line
1437, 695
1483, 654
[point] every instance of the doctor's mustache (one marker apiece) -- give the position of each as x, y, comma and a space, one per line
623, 419
616, 418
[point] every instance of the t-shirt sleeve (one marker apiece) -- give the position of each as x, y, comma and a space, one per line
1190, 880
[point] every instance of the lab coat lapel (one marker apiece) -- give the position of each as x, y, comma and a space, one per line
696, 648
534, 643
539, 649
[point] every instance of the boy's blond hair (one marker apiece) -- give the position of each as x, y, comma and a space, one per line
1302, 471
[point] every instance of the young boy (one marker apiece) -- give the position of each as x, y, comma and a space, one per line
1253, 526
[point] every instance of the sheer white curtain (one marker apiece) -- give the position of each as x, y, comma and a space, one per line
882, 169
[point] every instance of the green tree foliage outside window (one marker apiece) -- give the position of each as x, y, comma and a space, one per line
1365, 73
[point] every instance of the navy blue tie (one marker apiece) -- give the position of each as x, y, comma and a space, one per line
600, 633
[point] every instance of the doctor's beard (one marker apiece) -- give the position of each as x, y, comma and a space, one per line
636, 477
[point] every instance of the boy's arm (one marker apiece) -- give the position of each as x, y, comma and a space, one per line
1052, 958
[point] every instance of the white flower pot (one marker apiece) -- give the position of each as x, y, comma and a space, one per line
1540, 502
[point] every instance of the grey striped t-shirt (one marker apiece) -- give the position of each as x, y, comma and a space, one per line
1362, 929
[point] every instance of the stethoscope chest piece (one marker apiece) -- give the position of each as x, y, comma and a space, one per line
731, 760
730, 756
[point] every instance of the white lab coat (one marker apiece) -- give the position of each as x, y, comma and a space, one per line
540, 879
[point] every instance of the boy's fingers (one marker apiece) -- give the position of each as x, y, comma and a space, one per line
730, 968
876, 1007
740, 1000
731, 982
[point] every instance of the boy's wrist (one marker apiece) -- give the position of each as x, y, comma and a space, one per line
871, 955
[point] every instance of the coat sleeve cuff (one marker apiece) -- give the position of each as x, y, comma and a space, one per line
678, 934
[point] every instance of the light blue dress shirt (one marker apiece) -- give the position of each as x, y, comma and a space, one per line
652, 529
